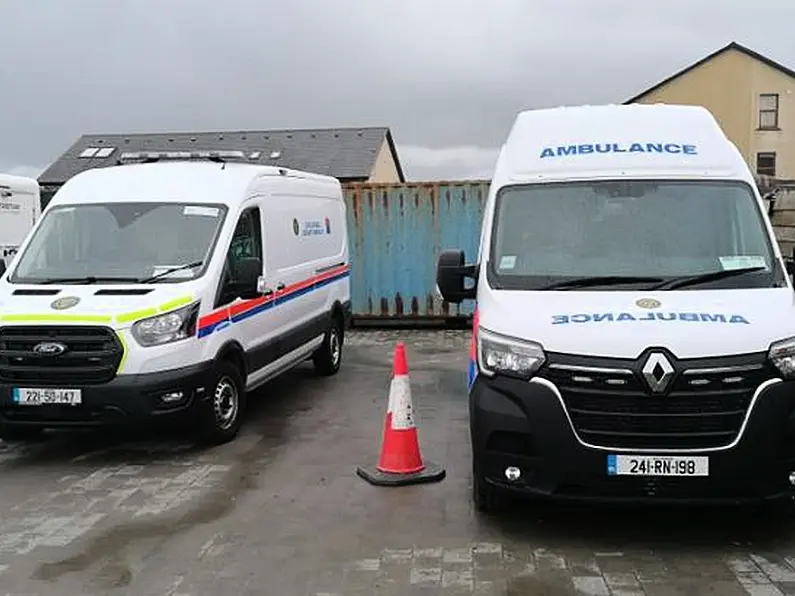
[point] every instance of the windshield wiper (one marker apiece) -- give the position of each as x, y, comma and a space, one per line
170, 271
87, 280
692, 280
605, 280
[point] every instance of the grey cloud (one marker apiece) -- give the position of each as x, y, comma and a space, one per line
442, 74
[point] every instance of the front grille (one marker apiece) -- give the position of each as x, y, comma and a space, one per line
704, 407
92, 355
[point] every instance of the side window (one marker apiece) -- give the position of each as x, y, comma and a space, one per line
246, 242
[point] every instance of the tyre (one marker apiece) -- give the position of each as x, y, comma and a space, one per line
221, 415
486, 498
328, 357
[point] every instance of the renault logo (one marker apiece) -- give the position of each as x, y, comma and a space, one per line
658, 372
49, 348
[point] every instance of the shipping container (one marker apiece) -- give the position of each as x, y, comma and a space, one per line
396, 234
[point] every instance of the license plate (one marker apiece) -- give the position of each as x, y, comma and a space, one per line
657, 465
38, 397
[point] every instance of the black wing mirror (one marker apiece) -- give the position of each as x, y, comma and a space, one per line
451, 275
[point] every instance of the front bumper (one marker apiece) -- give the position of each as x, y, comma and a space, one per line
525, 425
126, 400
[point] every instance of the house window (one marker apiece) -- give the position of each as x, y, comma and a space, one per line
768, 111
766, 164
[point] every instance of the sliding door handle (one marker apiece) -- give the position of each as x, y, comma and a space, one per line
279, 287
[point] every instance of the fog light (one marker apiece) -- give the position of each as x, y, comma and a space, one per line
792, 478
172, 397
512, 473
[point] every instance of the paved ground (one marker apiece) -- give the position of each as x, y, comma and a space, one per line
281, 512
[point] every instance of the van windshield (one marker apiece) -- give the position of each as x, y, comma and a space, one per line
653, 231
120, 242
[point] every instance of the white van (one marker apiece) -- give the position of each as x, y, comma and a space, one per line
20, 208
160, 290
635, 321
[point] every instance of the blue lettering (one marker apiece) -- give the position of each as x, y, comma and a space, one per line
585, 149
636, 148
713, 318
602, 148
689, 149
570, 150
547, 152
689, 317
603, 317
673, 148
617, 148
654, 147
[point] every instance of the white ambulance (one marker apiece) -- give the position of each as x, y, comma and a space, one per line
634, 334
20, 207
154, 291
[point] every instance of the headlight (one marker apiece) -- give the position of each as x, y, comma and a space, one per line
508, 355
166, 328
782, 355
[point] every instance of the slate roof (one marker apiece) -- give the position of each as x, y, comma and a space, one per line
732, 46
345, 153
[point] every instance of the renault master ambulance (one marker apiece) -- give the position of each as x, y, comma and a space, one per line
167, 290
634, 332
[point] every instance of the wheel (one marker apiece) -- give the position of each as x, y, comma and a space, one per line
221, 416
486, 498
20, 433
328, 357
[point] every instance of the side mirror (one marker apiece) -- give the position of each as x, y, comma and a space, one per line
451, 274
246, 275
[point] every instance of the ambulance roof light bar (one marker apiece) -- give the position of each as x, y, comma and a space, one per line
153, 156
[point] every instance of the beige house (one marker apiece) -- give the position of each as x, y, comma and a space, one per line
752, 98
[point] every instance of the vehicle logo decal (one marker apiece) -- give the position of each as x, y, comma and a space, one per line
65, 302
648, 303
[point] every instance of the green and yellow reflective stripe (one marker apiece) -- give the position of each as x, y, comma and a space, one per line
124, 351
176, 303
135, 315
52, 317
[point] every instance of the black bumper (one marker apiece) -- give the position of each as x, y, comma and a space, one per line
126, 400
521, 424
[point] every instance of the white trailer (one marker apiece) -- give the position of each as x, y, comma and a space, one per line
20, 208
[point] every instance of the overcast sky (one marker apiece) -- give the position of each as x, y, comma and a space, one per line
448, 76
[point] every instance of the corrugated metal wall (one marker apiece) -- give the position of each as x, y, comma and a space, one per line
396, 233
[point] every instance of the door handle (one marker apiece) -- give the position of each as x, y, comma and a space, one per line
280, 287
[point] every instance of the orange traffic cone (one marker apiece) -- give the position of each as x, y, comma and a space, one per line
400, 462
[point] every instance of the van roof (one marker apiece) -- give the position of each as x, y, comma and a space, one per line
178, 181
20, 183
606, 141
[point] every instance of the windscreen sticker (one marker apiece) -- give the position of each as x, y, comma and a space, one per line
182, 273
508, 262
742, 262
198, 210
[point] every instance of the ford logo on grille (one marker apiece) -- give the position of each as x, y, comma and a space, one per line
49, 348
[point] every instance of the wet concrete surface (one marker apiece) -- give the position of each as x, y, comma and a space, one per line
281, 512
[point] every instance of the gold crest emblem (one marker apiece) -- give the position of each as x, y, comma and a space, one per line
648, 303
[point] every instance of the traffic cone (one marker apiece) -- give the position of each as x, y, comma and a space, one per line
400, 462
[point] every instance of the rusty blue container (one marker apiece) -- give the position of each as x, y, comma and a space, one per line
396, 233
